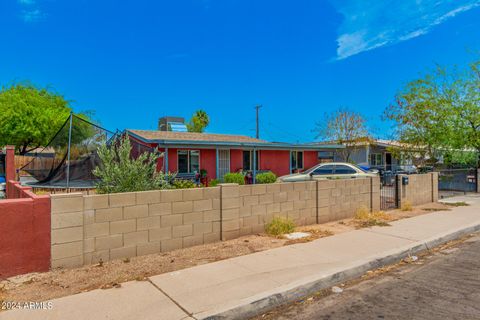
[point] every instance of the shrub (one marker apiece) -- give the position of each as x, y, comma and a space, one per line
234, 178
266, 177
119, 172
213, 183
183, 184
365, 218
279, 226
407, 206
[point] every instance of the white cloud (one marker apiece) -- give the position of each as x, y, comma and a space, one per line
30, 11
32, 15
370, 24
26, 2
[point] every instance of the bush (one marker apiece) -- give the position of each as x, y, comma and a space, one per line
365, 218
119, 172
234, 178
213, 183
183, 184
407, 206
266, 177
279, 226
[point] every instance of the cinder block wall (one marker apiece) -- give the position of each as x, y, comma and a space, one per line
340, 199
246, 209
421, 189
90, 228
87, 229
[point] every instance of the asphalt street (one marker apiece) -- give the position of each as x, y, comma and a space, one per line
445, 285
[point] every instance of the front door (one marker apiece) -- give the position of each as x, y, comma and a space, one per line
223, 163
388, 161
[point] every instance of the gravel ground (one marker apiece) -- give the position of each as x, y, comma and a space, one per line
442, 285
63, 282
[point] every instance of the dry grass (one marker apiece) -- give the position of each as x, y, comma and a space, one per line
314, 235
407, 206
457, 204
365, 218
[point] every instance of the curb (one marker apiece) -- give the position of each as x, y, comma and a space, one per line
298, 291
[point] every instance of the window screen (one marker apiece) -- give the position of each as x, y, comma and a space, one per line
182, 161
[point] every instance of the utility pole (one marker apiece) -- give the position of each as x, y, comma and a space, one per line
258, 121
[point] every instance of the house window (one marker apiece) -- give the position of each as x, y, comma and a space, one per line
297, 160
188, 161
248, 160
376, 159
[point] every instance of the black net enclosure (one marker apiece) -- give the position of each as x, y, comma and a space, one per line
75, 147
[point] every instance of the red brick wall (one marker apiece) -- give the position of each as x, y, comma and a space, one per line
24, 232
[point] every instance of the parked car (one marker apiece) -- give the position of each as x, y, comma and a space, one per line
332, 170
407, 169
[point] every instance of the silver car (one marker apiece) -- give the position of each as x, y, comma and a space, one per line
331, 170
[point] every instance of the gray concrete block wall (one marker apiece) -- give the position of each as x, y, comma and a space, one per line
340, 199
87, 229
90, 228
421, 189
246, 209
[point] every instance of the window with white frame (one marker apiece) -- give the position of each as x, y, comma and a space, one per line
188, 161
376, 159
297, 160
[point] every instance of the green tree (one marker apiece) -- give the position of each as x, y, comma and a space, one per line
30, 116
119, 172
198, 122
440, 112
344, 127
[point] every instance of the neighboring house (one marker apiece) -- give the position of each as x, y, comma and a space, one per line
373, 153
188, 152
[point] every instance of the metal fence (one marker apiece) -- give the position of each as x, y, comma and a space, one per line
464, 180
388, 191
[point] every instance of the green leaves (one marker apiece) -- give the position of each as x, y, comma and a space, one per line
30, 117
120, 172
440, 112
198, 122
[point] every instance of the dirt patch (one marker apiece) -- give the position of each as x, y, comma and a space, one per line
63, 282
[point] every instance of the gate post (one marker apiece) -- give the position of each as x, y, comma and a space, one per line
10, 169
478, 180
399, 190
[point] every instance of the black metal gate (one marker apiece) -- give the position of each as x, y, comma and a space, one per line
388, 191
464, 180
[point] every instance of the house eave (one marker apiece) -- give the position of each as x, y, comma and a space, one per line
239, 145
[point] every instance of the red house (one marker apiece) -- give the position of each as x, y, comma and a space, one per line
188, 152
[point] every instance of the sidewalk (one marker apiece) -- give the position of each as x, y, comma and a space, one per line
238, 287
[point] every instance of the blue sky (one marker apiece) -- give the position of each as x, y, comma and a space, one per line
134, 61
